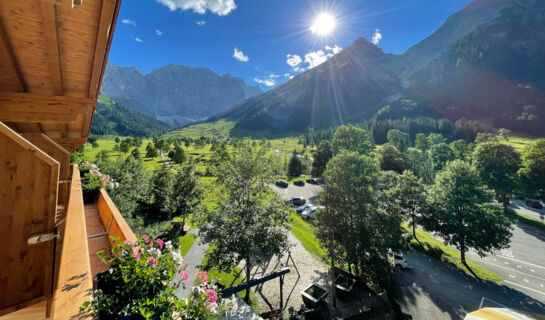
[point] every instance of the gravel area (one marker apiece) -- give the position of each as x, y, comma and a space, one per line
311, 269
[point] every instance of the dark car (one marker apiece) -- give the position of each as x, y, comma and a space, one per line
312, 181
534, 204
300, 183
281, 184
320, 180
297, 201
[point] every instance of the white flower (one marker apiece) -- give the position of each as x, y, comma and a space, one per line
168, 244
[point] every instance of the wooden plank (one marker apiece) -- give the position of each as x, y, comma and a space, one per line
28, 193
119, 228
108, 17
49, 12
42, 117
9, 62
70, 144
48, 99
74, 285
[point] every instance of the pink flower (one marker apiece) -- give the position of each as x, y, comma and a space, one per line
202, 275
186, 265
160, 242
184, 275
212, 296
152, 261
151, 244
146, 238
136, 255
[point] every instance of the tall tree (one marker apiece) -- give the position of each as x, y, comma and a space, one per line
162, 183
497, 165
360, 225
251, 222
295, 166
460, 149
398, 139
323, 153
533, 168
351, 138
391, 158
187, 192
440, 154
135, 153
462, 212
410, 195
178, 156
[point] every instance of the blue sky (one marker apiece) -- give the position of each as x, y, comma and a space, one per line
205, 33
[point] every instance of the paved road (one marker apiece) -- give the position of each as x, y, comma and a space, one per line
432, 290
522, 266
520, 207
309, 192
194, 258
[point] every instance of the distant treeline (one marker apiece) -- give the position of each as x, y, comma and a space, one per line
461, 129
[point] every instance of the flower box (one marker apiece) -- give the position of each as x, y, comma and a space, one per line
90, 195
344, 286
314, 295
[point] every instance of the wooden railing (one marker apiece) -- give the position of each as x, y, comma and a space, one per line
112, 220
74, 282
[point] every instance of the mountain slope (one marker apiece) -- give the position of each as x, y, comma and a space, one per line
347, 87
173, 93
495, 74
112, 118
486, 62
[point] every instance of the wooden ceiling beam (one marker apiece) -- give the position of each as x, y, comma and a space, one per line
49, 13
43, 117
108, 17
8, 62
47, 99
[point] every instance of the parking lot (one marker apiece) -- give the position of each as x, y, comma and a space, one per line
308, 191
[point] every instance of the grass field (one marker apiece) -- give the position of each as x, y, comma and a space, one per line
220, 128
435, 248
518, 142
303, 231
231, 279
522, 218
186, 242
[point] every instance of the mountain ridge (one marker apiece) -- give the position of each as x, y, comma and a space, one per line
175, 94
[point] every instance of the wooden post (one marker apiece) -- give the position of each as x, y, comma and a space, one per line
281, 292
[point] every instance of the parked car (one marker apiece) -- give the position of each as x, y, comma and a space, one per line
308, 212
297, 201
312, 181
302, 208
299, 183
281, 184
534, 204
400, 262
320, 180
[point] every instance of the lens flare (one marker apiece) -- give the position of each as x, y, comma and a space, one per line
323, 24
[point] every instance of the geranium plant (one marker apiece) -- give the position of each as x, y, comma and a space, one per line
141, 284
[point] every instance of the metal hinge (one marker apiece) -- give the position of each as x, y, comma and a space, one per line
43, 238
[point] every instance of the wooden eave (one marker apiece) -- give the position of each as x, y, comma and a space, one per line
52, 60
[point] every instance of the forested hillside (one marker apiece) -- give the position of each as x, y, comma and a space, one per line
113, 118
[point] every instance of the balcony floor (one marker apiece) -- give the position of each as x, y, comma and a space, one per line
94, 226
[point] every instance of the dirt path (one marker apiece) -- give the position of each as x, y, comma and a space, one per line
311, 269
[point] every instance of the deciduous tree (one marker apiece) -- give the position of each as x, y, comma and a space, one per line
497, 165
533, 168
251, 222
462, 212
351, 138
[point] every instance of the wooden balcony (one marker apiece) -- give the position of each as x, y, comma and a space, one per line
87, 229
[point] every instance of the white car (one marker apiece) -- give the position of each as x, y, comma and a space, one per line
400, 262
308, 211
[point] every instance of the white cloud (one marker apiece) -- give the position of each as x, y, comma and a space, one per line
318, 57
288, 75
128, 21
293, 60
201, 23
219, 7
138, 39
269, 81
377, 36
158, 32
239, 55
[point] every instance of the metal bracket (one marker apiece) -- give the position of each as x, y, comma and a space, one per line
43, 238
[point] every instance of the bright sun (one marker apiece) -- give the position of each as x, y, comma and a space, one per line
323, 24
